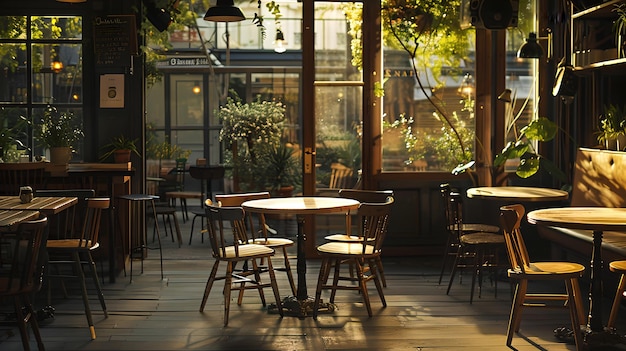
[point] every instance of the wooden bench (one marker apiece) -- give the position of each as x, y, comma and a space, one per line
599, 180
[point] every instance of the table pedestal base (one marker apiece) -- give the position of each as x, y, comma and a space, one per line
293, 307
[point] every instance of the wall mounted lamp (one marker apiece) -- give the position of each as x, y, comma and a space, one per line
532, 49
196, 88
280, 42
224, 11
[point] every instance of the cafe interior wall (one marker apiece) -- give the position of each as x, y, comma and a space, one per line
100, 124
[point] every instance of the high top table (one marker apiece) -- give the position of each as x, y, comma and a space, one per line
598, 220
301, 304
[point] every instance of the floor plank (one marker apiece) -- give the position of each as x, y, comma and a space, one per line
155, 314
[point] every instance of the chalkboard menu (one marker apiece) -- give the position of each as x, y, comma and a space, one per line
115, 39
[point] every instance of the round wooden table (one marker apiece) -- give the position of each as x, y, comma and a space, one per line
596, 219
301, 206
517, 193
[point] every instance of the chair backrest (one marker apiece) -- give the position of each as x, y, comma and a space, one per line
255, 222
510, 218
340, 176
374, 220
91, 221
366, 195
24, 253
222, 244
454, 213
67, 226
370, 196
15, 175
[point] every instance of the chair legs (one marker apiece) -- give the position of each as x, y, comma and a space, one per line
619, 296
573, 303
25, 314
361, 267
228, 286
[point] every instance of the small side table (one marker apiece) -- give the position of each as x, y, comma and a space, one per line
137, 234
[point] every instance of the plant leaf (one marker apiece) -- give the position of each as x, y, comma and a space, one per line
528, 167
541, 129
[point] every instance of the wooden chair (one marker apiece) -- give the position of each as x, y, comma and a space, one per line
375, 218
259, 231
478, 251
620, 268
206, 175
20, 274
340, 176
452, 242
369, 196
77, 252
523, 270
15, 175
232, 249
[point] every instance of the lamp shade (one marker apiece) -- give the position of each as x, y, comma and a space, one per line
530, 49
224, 11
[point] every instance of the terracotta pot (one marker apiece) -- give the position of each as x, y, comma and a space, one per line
121, 156
60, 155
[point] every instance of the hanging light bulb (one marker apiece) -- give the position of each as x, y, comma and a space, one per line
280, 42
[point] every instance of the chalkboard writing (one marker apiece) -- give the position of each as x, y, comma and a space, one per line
115, 39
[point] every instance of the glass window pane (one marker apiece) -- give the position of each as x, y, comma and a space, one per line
12, 27
188, 105
14, 137
428, 103
13, 64
44, 27
338, 140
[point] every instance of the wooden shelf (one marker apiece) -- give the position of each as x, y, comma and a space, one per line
604, 10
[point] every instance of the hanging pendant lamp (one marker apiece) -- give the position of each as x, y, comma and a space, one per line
224, 11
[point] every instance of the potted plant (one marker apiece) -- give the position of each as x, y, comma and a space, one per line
281, 168
612, 126
249, 130
121, 148
58, 131
11, 132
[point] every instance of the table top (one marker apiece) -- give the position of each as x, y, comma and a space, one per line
517, 193
586, 218
46, 205
301, 205
9, 218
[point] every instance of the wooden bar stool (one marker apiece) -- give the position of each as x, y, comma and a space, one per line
171, 197
617, 267
137, 234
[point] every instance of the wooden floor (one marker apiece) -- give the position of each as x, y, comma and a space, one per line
155, 314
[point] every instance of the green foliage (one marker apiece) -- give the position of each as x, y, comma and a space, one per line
612, 123
539, 130
120, 142
439, 148
12, 132
257, 122
280, 166
166, 151
58, 129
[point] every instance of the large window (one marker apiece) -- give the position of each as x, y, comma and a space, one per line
41, 63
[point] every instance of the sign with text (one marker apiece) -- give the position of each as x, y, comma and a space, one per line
115, 40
